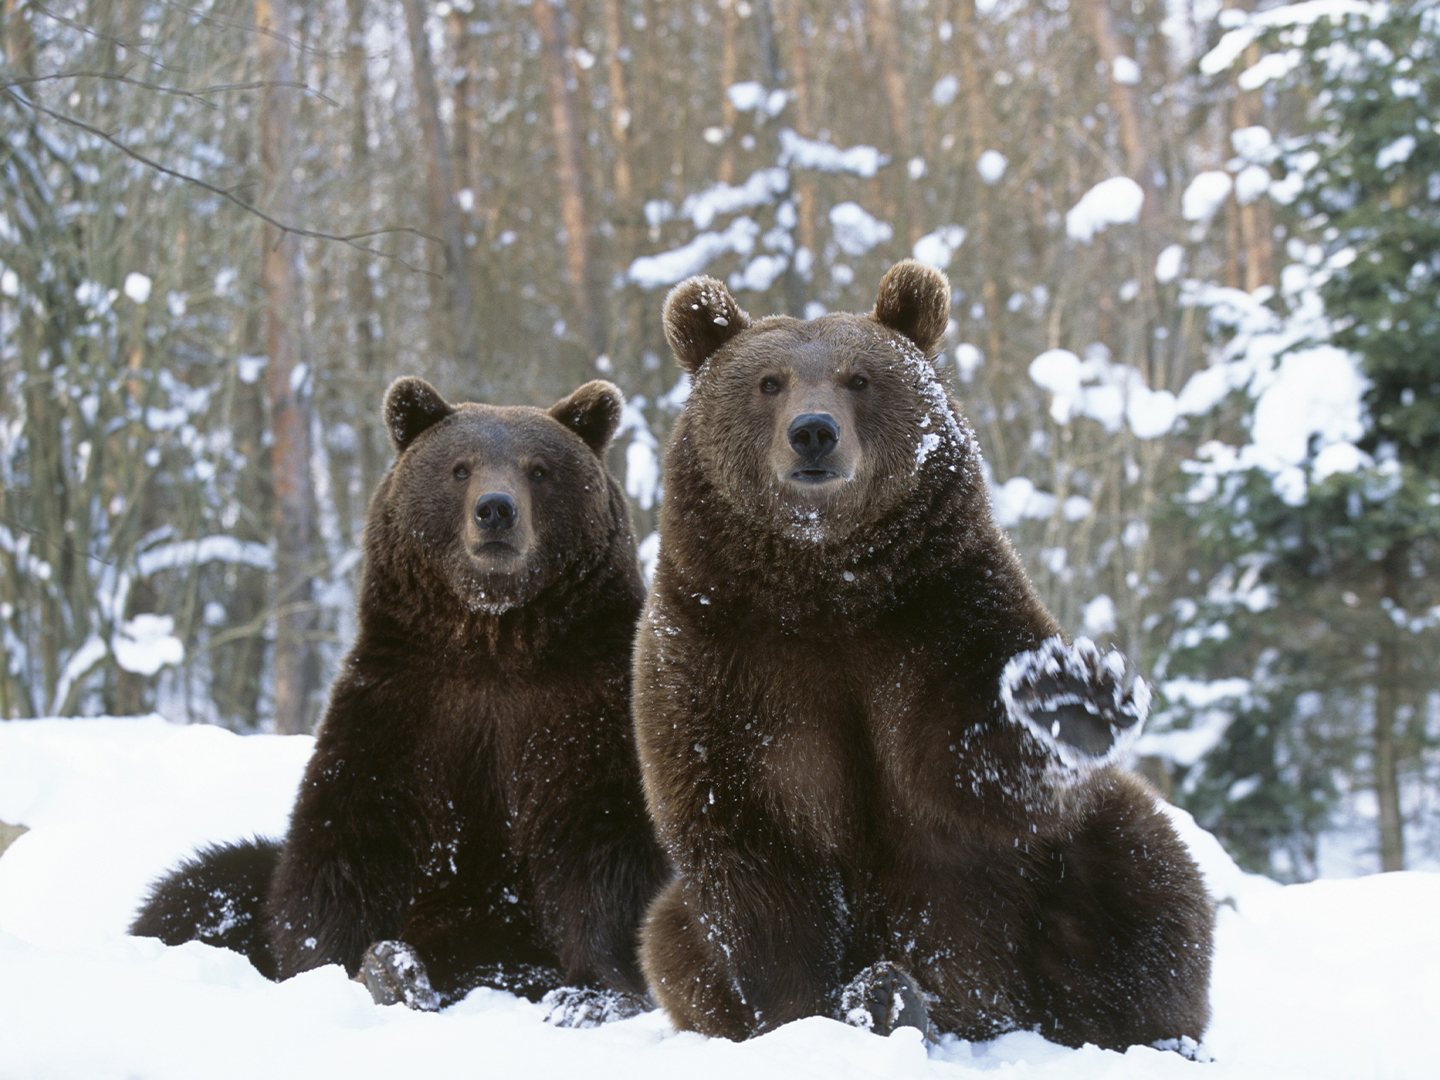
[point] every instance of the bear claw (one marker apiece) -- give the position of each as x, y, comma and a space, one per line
884, 998
393, 974
1075, 701
575, 1007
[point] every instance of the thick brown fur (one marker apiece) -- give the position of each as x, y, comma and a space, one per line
474, 791
817, 704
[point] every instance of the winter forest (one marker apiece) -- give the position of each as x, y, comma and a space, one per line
1195, 250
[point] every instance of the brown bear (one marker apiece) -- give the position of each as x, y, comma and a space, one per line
472, 814
887, 786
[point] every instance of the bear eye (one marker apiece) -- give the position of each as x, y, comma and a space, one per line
538, 473
462, 472
858, 382
770, 385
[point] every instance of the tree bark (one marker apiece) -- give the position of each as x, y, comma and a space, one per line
620, 118
1388, 698
1250, 255
792, 11
459, 299
886, 35
18, 38
580, 262
729, 75
295, 664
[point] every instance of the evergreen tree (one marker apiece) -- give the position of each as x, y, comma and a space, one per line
1339, 629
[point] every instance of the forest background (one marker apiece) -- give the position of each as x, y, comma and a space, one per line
1195, 247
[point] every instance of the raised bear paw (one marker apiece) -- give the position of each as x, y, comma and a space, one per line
575, 1007
883, 998
393, 973
1075, 701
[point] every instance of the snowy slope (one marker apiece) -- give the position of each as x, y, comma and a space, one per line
1334, 979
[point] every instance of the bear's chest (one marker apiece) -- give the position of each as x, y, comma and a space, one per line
830, 734
787, 727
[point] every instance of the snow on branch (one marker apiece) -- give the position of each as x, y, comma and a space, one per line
207, 549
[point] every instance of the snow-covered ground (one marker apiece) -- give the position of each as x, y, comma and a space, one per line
1339, 978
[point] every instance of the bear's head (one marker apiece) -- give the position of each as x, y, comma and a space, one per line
818, 426
494, 503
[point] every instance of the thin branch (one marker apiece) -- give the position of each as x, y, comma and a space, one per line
350, 240
58, 544
90, 32
199, 16
252, 28
197, 95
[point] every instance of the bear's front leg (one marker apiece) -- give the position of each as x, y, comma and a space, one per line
1075, 701
337, 889
740, 957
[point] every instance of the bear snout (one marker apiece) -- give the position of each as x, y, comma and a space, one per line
495, 513
813, 436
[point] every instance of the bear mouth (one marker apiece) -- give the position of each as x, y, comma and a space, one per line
491, 550
816, 477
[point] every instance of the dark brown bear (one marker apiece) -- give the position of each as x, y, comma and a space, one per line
886, 783
472, 813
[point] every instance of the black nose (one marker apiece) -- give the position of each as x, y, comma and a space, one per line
495, 512
813, 435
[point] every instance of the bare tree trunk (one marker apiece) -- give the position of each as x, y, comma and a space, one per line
729, 75
793, 13
1255, 247
1137, 146
580, 262
1123, 97
1250, 252
18, 38
459, 298
1388, 697
359, 287
620, 118
886, 34
295, 662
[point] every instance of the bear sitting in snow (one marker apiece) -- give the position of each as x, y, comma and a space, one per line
472, 814
887, 785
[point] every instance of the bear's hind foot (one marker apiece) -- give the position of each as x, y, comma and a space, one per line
883, 998
577, 1007
393, 974
1075, 701
1186, 1047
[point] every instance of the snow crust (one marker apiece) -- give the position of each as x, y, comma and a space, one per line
1205, 194
1116, 201
1017, 499
1169, 263
147, 643
798, 152
137, 286
991, 166
672, 267
1329, 981
938, 248
1309, 398
207, 549
856, 231
1114, 394
1125, 71
1245, 28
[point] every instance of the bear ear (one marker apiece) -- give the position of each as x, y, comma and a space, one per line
412, 406
700, 316
592, 412
914, 300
